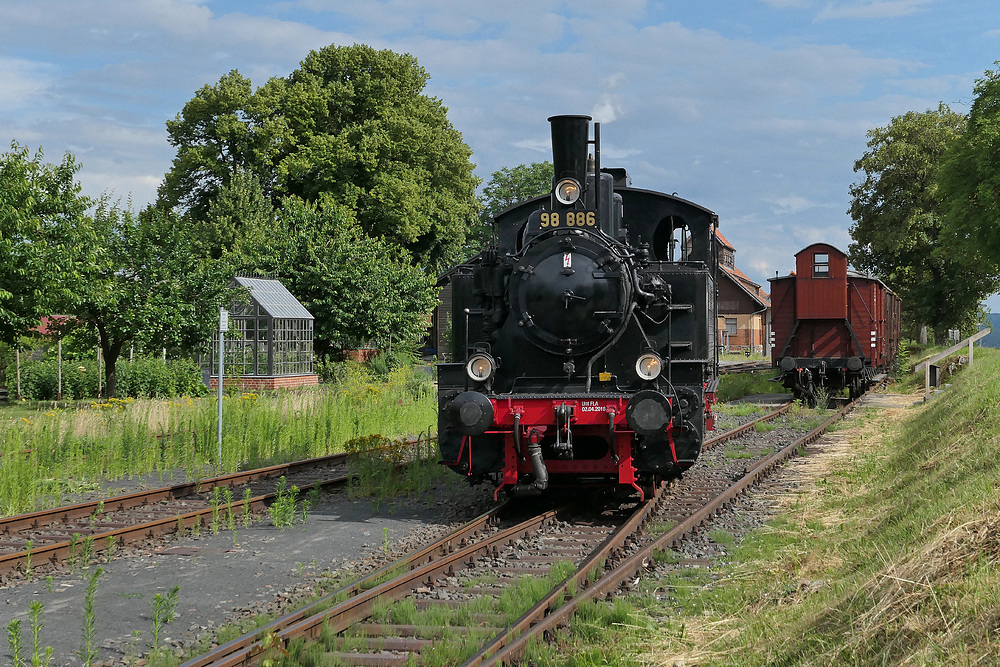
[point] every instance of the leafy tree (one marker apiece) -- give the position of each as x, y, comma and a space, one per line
511, 185
506, 187
352, 123
239, 205
146, 285
970, 177
898, 221
224, 131
360, 290
40, 211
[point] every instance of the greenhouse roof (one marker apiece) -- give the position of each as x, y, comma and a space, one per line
274, 299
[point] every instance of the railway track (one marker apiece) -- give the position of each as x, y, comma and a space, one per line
744, 367
464, 581
84, 530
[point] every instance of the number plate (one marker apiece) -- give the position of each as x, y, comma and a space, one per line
546, 220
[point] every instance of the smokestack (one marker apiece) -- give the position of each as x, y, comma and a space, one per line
570, 138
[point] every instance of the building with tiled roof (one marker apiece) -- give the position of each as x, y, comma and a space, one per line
743, 306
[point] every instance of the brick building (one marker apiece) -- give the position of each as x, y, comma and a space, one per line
743, 307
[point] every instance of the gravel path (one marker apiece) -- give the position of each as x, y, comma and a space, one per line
228, 576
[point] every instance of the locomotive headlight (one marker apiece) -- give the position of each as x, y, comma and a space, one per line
567, 191
480, 367
648, 367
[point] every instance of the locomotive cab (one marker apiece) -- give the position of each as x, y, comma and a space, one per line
581, 353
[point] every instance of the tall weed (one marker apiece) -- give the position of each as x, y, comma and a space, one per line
51, 454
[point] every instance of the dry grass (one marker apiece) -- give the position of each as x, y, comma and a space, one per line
905, 593
849, 577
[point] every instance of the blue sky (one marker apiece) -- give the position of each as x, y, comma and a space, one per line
756, 109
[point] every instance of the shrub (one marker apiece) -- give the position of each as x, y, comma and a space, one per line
340, 372
155, 378
40, 379
142, 377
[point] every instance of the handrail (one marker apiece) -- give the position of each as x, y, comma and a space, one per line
952, 350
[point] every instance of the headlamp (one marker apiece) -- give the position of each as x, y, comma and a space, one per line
648, 367
480, 367
567, 191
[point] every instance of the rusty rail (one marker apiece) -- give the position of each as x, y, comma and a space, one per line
541, 619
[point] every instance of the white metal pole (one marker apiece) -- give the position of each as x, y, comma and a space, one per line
223, 327
222, 335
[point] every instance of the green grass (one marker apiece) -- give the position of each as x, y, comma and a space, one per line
44, 456
891, 558
382, 469
452, 647
736, 409
738, 385
740, 452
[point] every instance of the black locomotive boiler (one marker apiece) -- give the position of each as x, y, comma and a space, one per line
583, 339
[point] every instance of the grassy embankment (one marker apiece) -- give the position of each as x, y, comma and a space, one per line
890, 556
47, 454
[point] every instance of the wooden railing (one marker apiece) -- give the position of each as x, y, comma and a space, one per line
926, 364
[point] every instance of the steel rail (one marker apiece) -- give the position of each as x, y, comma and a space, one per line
545, 618
441, 557
580, 578
56, 551
306, 622
102, 541
745, 367
34, 520
739, 430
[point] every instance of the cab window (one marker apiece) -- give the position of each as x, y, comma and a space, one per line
821, 265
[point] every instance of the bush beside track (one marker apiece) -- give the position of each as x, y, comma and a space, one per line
889, 557
737, 385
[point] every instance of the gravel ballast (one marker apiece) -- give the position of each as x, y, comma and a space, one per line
228, 576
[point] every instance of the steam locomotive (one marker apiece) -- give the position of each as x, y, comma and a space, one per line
583, 340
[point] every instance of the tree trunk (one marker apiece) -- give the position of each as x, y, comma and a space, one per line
111, 351
111, 354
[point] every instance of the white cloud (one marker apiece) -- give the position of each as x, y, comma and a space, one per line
23, 82
734, 124
792, 204
872, 9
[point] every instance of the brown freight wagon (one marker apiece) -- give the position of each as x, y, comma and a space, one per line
833, 328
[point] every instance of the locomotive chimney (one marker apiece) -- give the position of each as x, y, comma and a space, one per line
570, 137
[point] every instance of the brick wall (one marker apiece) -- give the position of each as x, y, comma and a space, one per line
250, 382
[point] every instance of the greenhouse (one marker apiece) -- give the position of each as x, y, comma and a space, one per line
270, 339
